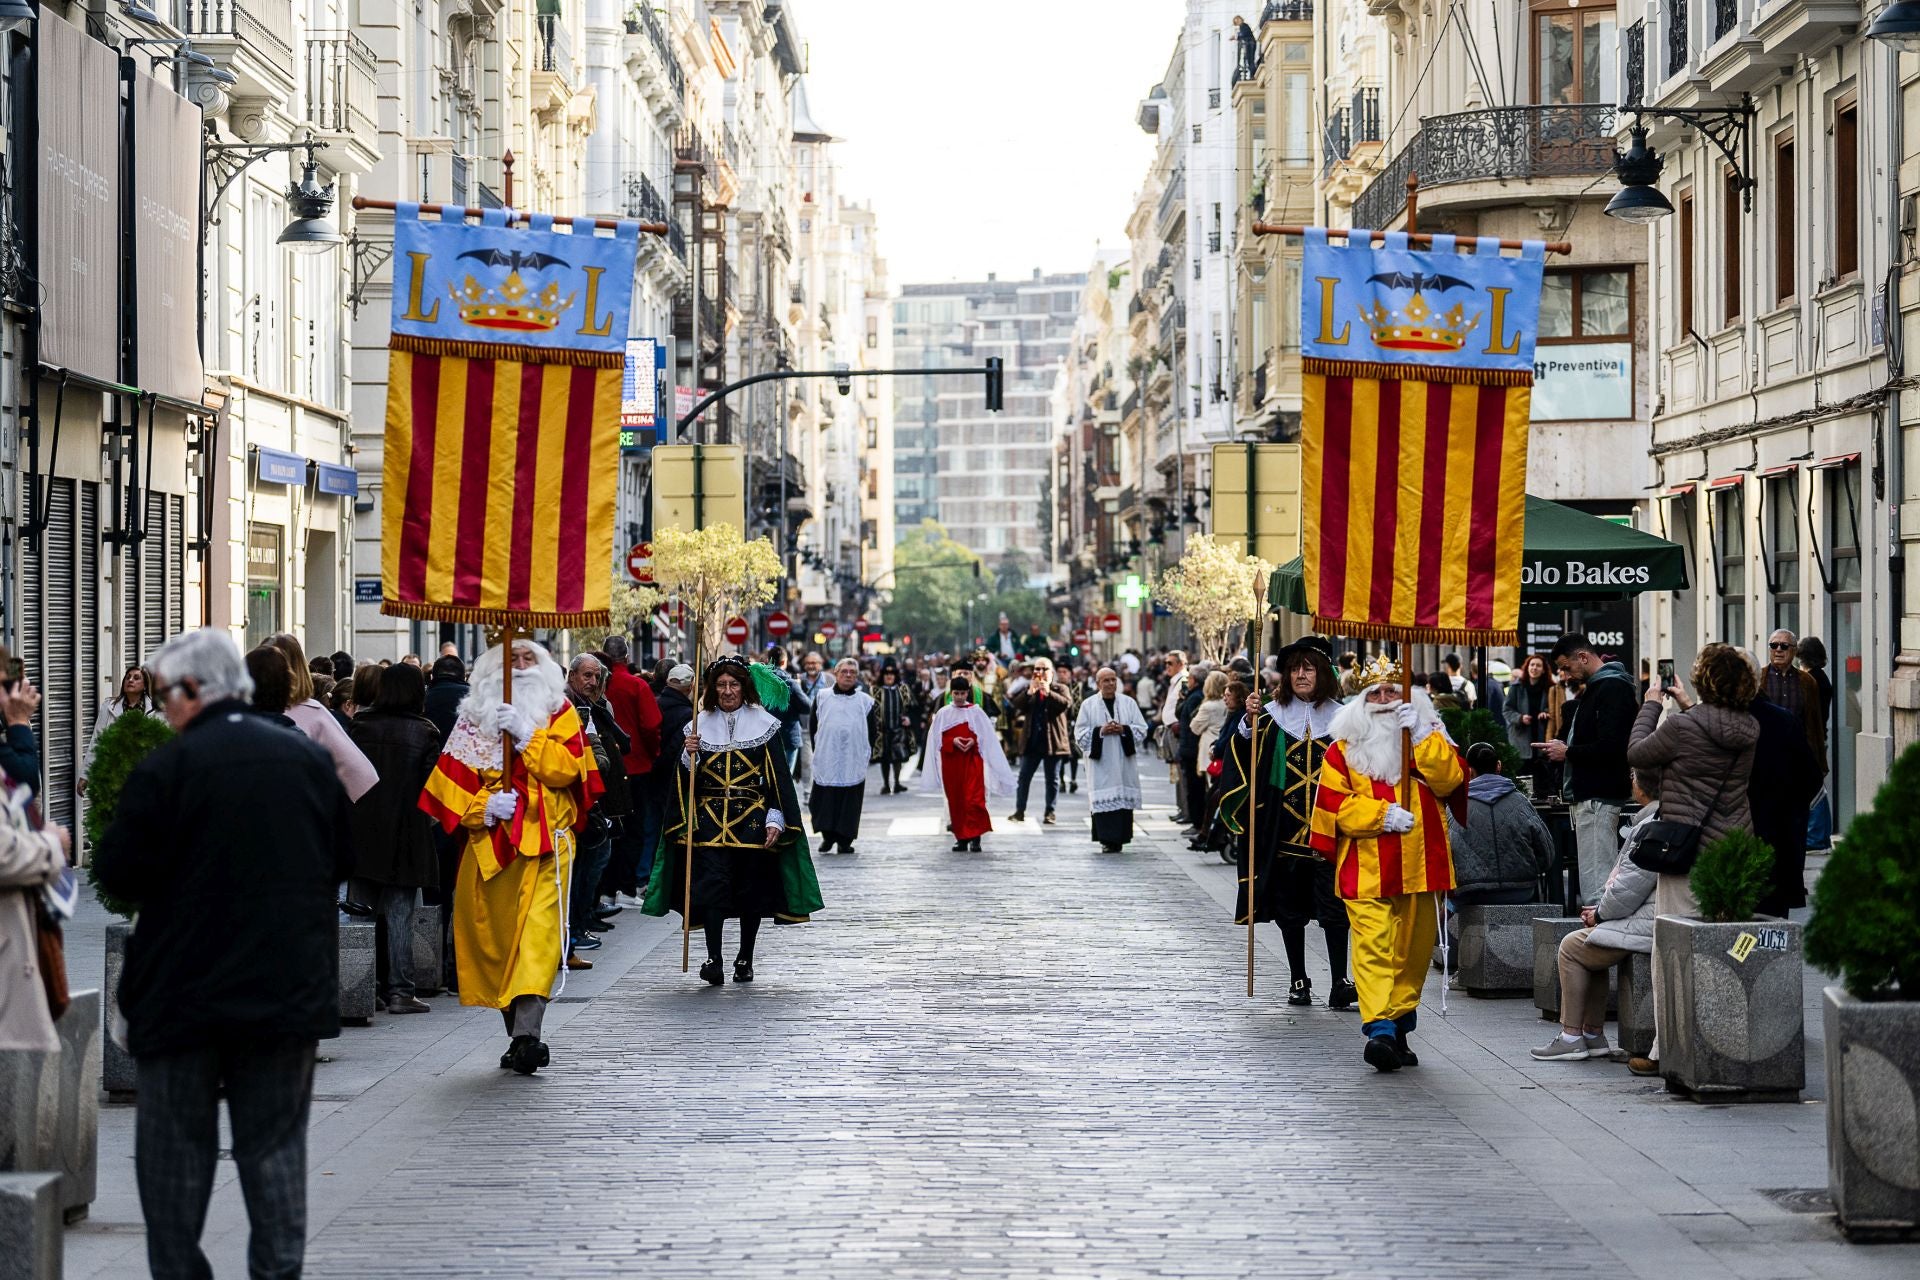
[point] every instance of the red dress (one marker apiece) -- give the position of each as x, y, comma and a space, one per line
964, 778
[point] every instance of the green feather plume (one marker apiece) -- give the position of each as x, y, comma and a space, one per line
775, 693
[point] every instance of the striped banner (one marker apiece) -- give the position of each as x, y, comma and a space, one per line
1414, 439
502, 428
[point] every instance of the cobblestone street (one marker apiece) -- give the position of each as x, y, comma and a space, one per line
1034, 1061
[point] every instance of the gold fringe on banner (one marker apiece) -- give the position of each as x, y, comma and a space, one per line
518, 619
1384, 371
505, 351
1416, 635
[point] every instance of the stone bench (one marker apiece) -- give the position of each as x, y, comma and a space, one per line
31, 1243
1636, 1004
50, 1108
1548, 931
357, 994
1495, 953
116, 1064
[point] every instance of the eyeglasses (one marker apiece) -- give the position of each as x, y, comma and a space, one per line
1779, 644
166, 690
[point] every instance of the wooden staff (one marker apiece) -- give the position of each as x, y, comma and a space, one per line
451, 212
686, 853
1258, 693
506, 700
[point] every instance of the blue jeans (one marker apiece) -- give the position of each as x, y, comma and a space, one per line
648, 815
393, 907
588, 865
1028, 764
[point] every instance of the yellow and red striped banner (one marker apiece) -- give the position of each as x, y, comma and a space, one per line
1413, 497
503, 413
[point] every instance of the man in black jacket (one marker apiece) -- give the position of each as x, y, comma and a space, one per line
676, 713
447, 688
231, 839
1595, 755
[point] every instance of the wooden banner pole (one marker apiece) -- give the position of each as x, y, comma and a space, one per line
686, 852
1258, 695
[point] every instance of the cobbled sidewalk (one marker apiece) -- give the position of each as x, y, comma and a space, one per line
1035, 1061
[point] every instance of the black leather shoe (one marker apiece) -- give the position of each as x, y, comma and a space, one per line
711, 974
826, 844
600, 924
1408, 1058
1302, 993
846, 849
527, 1055
1342, 995
742, 971
973, 845
1381, 1054
1019, 815
961, 846
358, 910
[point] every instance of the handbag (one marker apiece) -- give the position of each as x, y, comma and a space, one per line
51, 945
1669, 848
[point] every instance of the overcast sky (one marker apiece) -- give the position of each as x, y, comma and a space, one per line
991, 135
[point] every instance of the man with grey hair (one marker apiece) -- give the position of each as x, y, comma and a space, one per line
1794, 691
586, 689
230, 839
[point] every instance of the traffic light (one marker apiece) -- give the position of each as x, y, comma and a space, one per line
976, 568
996, 383
843, 379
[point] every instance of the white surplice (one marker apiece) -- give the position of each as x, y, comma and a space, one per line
1116, 777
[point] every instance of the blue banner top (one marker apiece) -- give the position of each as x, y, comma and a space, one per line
543, 289
1424, 309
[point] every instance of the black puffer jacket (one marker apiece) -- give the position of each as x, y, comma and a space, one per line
1504, 847
392, 839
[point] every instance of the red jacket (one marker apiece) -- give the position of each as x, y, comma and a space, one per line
638, 715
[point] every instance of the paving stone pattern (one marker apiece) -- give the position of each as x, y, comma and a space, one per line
1036, 1061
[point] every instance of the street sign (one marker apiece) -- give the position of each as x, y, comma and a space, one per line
366, 591
1112, 624
640, 394
1080, 635
1133, 591
861, 624
779, 625
736, 630
640, 562
829, 629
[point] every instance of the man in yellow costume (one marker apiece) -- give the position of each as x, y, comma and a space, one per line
509, 898
1391, 860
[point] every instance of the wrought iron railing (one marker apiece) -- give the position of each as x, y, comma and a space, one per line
1213, 242
1174, 196
1726, 16
1634, 91
1335, 142
1364, 124
645, 204
460, 178
342, 92
1509, 143
1213, 101
556, 46
1287, 11
1676, 36
641, 21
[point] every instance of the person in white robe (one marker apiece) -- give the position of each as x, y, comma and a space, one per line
842, 749
966, 762
1110, 731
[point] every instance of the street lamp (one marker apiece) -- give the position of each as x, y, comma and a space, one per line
1638, 168
1898, 25
14, 14
310, 231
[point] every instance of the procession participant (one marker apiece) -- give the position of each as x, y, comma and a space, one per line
522, 823
750, 858
1391, 862
893, 708
842, 746
989, 684
1035, 643
1005, 645
1044, 737
966, 762
1292, 883
1111, 731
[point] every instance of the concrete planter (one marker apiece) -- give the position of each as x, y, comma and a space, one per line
428, 948
31, 1244
1634, 990
1496, 949
356, 972
1732, 1027
50, 1107
116, 1064
1548, 932
1873, 1113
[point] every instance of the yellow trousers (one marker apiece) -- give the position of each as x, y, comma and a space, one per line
1393, 942
507, 935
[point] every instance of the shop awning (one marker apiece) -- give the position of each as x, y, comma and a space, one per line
1566, 555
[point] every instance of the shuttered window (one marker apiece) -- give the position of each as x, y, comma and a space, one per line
60, 631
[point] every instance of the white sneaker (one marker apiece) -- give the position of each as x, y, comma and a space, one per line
625, 900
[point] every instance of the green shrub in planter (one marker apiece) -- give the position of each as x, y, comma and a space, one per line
1866, 907
1468, 726
1730, 875
125, 744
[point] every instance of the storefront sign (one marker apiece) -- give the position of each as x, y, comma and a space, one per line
366, 591
640, 394
271, 466
79, 271
166, 233
1583, 380
332, 478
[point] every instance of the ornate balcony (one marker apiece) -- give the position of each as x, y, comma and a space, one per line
251, 38
653, 65
1173, 202
553, 69
1677, 37
1803, 26
342, 94
1633, 89
1497, 147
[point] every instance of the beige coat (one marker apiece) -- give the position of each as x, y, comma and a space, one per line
29, 859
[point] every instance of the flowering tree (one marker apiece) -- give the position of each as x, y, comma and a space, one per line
716, 574
1217, 589
627, 605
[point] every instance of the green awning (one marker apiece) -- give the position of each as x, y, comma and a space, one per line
1566, 555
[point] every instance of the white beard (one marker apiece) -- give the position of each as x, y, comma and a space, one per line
541, 690
1369, 734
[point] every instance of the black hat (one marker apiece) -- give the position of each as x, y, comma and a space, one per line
1319, 644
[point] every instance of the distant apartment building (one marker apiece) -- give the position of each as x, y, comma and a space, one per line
984, 476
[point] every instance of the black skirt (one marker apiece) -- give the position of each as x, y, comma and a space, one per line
836, 810
1113, 828
736, 884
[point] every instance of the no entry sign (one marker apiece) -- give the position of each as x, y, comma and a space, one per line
1111, 623
1080, 636
779, 625
829, 629
736, 630
640, 562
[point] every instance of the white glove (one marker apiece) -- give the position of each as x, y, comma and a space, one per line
500, 806
513, 718
1409, 717
1398, 821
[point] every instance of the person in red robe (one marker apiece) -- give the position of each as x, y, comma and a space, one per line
967, 762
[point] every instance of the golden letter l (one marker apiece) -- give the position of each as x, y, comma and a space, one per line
1497, 343
1326, 314
589, 328
431, 314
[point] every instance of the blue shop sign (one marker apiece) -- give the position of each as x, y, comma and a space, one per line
272, 466
332, 478
366, 591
